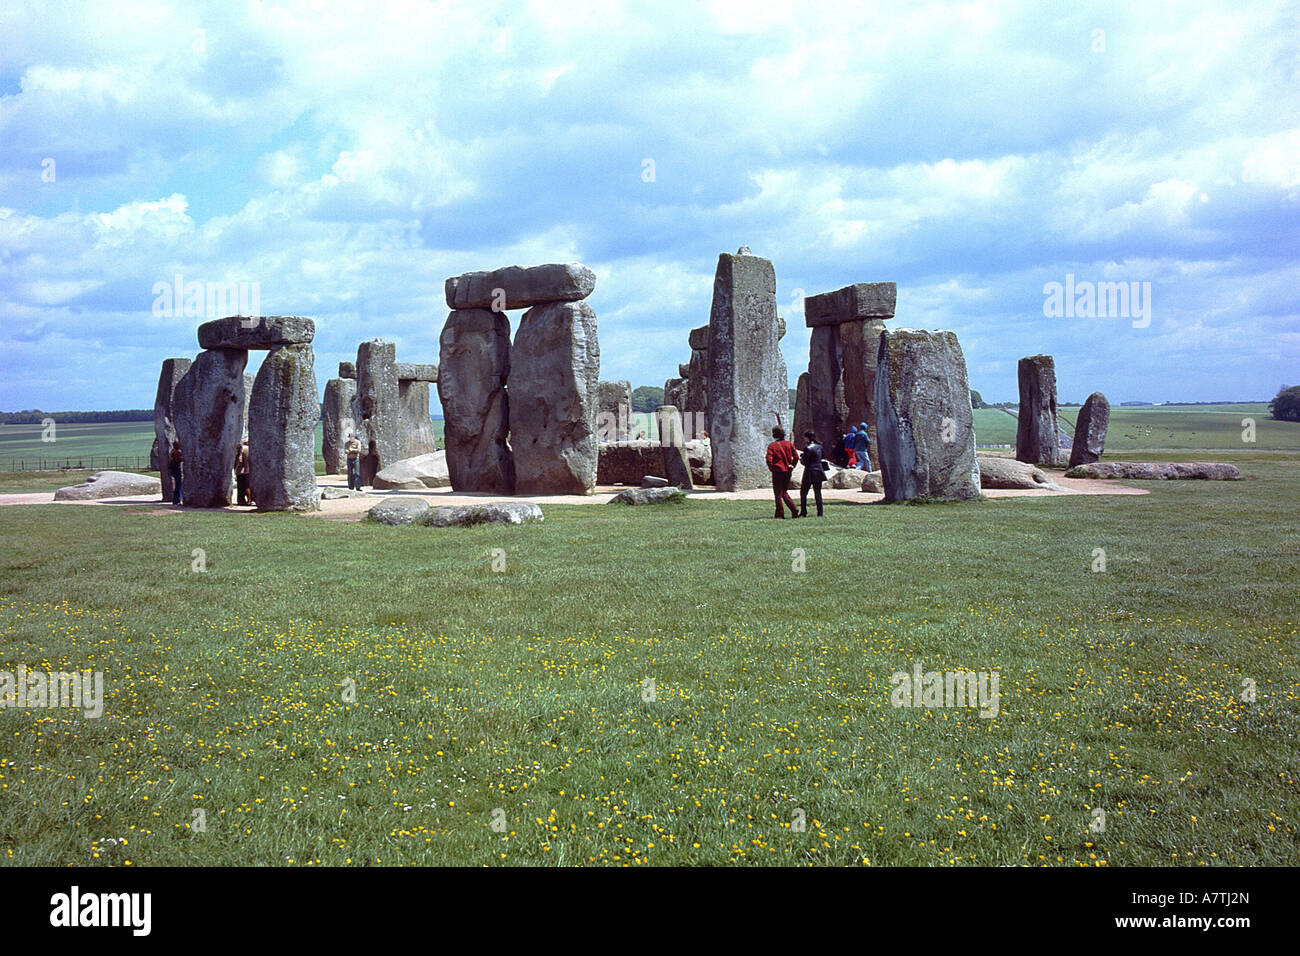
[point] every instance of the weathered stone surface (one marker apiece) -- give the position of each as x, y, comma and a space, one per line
859, 348
474, 364
1161, 470
696, 395
843, 479
497, 512
863, 300
1090, 430
164, 420
613, 410
677, 467
873, 483
416, 372
554, 372
523, 286
348, 370
648, 496
399, 510
208, 409
654, 481
625, 462
262, 332
249, 381
699, 339
747, 388
110, 484
337, 423
674, 392
1009, 473
329, 492
802, 411
1037, 434
414, 474
376, 408
926, 447
282, 419
699, 455
415, 426
830, 414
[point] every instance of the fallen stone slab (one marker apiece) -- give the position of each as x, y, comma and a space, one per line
648, 496
329, 493
1009, 473
862, 300
654, 481
110, 484
414, 474
519, 287
499, 512
1159, 470
397, 511
845, 478
417, 372
259, 332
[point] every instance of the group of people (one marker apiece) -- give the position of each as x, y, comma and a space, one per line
782, 456
175, 467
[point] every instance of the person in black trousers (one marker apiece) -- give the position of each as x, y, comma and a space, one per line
814, 473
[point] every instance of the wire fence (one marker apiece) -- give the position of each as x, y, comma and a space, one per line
82, 463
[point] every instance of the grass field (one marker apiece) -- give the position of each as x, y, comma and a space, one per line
521, 697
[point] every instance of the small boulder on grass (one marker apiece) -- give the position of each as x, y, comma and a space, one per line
498, 512
1008, 473
1158, 470
873, 483
648, 496
653, 481
397, 511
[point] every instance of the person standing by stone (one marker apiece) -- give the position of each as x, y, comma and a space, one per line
174, 461
861, 443
241, 473
353, 450
781, 458
814, 473
850, 441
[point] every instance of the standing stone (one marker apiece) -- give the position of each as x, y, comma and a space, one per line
827, 408
415, 428
337, 424
473, 367
673, 441
802, 411
554, 374
859, 347
927, 429
208, 408
164, 418
249, 379
614, 410
1090, 430
282, 435
1038, 438
376, 407
674, 392
747, 388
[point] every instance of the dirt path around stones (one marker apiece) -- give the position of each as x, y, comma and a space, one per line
354, 509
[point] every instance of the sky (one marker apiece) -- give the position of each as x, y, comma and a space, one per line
347, 158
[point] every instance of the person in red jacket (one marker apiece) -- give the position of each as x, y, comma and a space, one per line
781, 458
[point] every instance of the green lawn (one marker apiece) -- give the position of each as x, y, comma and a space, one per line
524, 691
